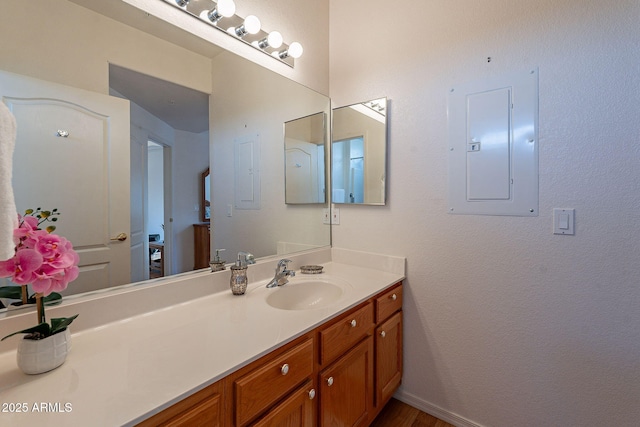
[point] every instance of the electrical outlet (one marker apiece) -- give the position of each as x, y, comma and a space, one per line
335, 216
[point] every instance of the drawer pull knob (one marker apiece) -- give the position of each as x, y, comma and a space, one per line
285, 369
353, 323
312, 393
383, 334
330, 381
394, 297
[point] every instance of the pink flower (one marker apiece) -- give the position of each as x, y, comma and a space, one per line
50, 279
21, 268
44, 260
27, 233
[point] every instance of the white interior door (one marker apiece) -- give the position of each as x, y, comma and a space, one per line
139, 236
85, 174
301, 180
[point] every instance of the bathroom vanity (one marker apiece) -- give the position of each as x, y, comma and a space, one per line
146, 355
341, 373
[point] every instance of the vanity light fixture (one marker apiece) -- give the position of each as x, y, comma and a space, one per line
223, 9
247, 30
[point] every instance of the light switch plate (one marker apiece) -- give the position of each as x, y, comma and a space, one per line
335, 216
326, 218
563, 221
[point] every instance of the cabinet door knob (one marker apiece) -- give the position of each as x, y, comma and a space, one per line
383, 334
353, 323
285, 369
393, 297
330, 381
312, 393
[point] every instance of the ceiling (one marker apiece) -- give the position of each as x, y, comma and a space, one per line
180, 107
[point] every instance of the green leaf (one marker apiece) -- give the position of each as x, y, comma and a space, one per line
61, 323
42, 329
52, 299
11, 292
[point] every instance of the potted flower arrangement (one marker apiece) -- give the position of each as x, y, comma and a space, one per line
48, 263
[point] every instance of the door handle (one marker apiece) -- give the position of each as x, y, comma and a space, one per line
120, 237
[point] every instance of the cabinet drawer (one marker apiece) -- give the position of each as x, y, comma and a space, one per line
388, 303
344, 333
259, 389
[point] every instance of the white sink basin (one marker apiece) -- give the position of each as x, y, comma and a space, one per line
306, 294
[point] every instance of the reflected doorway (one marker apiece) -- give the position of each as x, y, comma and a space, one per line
155, 219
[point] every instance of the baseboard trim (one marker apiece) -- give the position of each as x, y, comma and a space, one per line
434, 410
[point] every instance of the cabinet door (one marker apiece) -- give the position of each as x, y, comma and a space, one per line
204, 408
388, 358
346, 388
295, 411
206, 413
255, 392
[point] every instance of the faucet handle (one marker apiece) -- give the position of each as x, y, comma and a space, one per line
283, 263
245, 258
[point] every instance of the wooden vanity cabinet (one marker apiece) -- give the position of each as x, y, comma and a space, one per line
270, 382
201, 248
388, 346
340, 374
346, 388
203, 408
297, 410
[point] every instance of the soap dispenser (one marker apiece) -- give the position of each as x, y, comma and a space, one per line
239, 277
217, 264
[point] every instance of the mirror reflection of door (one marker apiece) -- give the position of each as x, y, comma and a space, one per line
177, 118
348, 170
155, 220
304, 141
57, 123
358, 167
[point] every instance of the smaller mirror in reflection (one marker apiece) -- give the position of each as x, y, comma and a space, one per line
304, 147
358, 153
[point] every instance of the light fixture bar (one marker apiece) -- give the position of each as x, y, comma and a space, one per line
221, 15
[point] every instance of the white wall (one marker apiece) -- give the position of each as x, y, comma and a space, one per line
190, 159
258, 103
507, 324
78, 53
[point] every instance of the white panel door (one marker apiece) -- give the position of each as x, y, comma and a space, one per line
301, 167
85, 174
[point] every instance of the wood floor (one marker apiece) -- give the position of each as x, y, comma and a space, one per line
398, 414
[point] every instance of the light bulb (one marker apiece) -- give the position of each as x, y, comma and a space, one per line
295, 50
274, 39
251, 24
226, 8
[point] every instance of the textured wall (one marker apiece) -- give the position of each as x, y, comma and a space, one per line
506, 323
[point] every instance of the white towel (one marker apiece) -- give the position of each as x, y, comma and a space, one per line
8, 214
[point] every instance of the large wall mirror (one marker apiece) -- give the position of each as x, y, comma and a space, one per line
359, 153
243, 101
305, 159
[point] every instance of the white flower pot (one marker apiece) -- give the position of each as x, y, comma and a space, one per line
38, 356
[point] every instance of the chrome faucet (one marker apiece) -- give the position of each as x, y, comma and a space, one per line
282, 274
246, 258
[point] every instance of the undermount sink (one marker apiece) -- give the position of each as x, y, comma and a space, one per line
306, 294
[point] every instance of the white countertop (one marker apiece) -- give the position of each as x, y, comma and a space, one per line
121, 372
